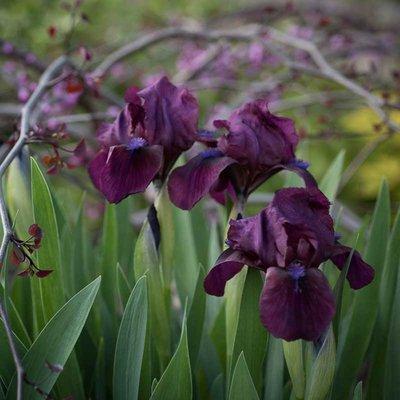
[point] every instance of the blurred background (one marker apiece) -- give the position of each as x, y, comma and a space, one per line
358, 38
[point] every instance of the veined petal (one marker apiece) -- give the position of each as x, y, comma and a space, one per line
360, 273
229, 263
120, 171
189, 183
222, 190
296, 305
262, 236
299, 168
258, 138
117, 132
171, 115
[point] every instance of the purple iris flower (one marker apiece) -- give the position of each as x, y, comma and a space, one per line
289, 240
157, 124
257, 145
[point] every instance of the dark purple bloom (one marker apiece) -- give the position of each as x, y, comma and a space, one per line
256, 146
289, 240
142, 144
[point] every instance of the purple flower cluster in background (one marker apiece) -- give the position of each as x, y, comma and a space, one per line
62, 98
288, 240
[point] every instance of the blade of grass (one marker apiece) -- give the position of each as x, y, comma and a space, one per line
242, 386
365, 305
55, 343
130, 344
176, 381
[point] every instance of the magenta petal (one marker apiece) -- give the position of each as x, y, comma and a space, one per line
229, 263
294, 307
119, 172
360, 273
189, 183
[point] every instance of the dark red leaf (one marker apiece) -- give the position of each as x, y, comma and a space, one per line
35, 231
25, 272
17, 256
52, 31
42, 273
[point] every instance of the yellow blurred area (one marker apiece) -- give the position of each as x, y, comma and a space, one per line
384, 162
371, 173
363, 120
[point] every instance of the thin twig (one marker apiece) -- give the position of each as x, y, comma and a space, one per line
207, 58
13, 349
26, 112
10, 109
80, 118
248, 33
360, 158
374, 102
309, 99
245, 33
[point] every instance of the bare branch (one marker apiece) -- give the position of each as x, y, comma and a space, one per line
5, 221
360, 158
374, 102
13, 349
309, 99
80, 118
248, 33
10, 109
245, 33
207, 58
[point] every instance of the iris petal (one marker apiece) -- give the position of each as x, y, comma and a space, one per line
171, 115
189, 183
117, 132
360, 273
119, 172
229, 263
262, 236
257, 138
294, 306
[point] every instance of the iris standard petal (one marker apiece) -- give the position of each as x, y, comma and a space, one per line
258, 138
189, 183
121, 171
296, 304
360, 273
171, 115
262, 236
229, 263
117, 132
298, 167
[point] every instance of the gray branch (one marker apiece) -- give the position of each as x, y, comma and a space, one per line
26, 112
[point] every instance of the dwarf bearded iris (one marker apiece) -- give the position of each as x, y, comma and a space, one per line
157, 124
256, 146
289, 240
